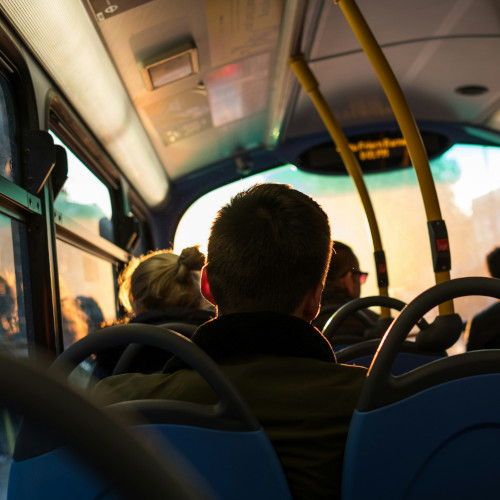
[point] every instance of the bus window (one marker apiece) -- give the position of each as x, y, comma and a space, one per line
86, 281
84, 198
87, 291
7, 127
12, 304
468, 185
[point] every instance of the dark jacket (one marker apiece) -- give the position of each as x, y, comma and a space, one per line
151, 359
351, 326
484, 329
287, 373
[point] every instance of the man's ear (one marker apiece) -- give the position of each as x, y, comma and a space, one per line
205, 287
312, 303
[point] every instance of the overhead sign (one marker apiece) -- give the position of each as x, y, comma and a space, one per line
376, 152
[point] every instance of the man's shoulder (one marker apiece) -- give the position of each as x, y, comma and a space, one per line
126, 387
185, 384
291, 370
489, 313
352, 372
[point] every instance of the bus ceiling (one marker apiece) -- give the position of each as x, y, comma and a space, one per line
176, 86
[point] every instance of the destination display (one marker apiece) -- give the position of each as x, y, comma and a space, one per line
376, 152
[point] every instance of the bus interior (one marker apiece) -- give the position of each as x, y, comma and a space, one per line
127, 124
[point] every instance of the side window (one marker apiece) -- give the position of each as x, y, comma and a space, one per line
84, 198
84, 220
12, 303
14, 280
87, 292
8, 163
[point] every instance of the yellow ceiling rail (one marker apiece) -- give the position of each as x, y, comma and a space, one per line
437, 228
311, 86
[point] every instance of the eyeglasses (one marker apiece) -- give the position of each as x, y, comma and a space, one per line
362, 276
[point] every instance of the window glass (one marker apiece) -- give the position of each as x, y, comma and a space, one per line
468, 186
13, 337
8, 163
84, 198
12, 303
87, 292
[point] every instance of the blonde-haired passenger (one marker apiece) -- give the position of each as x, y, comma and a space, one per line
160, 288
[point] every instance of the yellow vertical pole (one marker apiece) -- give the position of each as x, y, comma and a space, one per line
410, 132
311, 86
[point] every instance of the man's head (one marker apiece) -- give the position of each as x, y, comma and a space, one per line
268, 249
344, 271
493, 262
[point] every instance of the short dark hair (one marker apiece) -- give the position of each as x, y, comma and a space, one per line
343, 260
493, 262
268, 247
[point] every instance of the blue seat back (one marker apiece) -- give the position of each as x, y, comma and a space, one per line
404, 362
408, 358
223, 443
236, 464
434, 432
56, 475
443, 442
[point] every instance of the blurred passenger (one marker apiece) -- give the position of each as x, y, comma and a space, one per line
483, 330
8, 314
93, 312
160, 288
74, 321
343, 284
268, 255
9, 330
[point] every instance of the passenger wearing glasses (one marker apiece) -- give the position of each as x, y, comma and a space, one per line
343, 284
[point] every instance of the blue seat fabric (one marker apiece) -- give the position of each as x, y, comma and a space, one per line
236, 464
404, 362
443, 442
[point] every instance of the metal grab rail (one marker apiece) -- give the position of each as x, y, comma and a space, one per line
437, 228
311, 86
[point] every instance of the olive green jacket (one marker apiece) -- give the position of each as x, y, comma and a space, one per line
287, 373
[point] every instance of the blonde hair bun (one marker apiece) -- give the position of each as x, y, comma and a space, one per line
190, 259
162, 279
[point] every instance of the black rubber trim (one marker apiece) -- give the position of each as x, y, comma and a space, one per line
230, 413
381, 388
355, 305
133, 350
231, 405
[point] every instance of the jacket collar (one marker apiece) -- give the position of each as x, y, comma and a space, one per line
261, 333
174, 314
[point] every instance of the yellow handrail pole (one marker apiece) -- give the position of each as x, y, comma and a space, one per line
311, 86
406, 121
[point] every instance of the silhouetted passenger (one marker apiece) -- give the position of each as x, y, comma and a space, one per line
7, 309
160, 288
268, 255
92, 310
483, 330
343, 284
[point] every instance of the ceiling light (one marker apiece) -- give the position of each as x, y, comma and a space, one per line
62, 36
